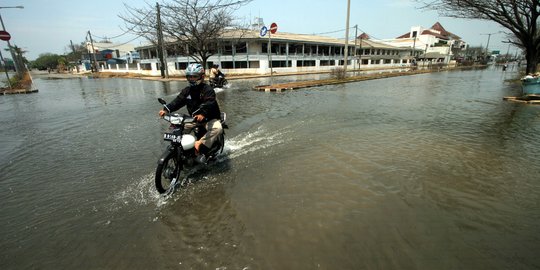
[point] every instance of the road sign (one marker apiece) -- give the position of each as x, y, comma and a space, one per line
273, 28
4, 35
264, 30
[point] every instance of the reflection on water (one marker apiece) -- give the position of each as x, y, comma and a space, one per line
431, 171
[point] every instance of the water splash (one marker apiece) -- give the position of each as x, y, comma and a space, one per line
253, 141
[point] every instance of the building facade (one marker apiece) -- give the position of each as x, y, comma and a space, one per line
437, 45
288, 53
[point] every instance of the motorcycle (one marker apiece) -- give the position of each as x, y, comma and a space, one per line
219, 81
180, 153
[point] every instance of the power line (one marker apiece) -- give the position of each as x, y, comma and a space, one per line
130, 29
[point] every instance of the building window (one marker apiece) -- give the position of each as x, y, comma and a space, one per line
295, 49
277, 64
365, 62
324, 50
254, 64
227, 64
313, 50
328, 63
241, 48
146, 66
278, 48
227, 49
305, 63
388, 61
240, 64
180, 65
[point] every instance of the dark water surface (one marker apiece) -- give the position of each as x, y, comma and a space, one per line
430, 171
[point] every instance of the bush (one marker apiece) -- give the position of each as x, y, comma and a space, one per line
338, 73
17, 83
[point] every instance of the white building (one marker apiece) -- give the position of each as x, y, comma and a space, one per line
289, 53
436, 43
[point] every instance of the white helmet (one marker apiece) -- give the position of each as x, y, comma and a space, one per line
195, 74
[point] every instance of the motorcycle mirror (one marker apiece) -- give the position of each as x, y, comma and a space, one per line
162, 101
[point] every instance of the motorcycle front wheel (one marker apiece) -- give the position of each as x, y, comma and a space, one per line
167, 172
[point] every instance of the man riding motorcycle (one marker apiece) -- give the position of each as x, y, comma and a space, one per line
217, 78
200, 101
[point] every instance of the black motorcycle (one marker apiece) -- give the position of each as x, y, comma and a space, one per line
219, 81
180, 154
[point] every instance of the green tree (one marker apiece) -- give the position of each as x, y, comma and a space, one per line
519, 17
46, 61
20, 60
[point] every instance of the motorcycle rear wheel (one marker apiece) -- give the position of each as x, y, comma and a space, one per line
166, 172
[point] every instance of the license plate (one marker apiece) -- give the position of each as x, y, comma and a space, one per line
172, 137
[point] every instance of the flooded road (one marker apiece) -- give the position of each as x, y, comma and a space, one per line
431, 171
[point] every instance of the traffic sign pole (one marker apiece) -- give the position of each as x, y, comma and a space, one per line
13, 55
4, 35
273, 30
270, 56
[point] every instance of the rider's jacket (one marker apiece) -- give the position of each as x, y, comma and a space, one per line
200, 98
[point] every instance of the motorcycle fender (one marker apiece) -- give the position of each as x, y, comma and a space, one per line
169, 149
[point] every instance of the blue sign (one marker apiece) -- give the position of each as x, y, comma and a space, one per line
264, 30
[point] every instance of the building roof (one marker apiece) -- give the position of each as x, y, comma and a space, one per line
100, 46
436, 30
298, 38
437, 26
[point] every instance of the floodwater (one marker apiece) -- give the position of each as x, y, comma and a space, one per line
431, 171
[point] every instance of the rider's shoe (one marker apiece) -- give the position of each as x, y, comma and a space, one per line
203, 151
201, 159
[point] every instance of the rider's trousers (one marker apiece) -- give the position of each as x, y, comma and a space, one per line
214, 129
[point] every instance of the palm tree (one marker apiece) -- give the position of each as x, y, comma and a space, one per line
19, 59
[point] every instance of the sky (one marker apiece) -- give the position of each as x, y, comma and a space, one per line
48, 26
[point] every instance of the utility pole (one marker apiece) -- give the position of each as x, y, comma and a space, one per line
361, 53
414, 43
487, 46
161, 49
508, 51
355, 38
95, 69
74, 54
270, 57
346, 38
425, 52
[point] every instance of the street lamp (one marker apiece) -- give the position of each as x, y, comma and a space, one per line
17, 69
